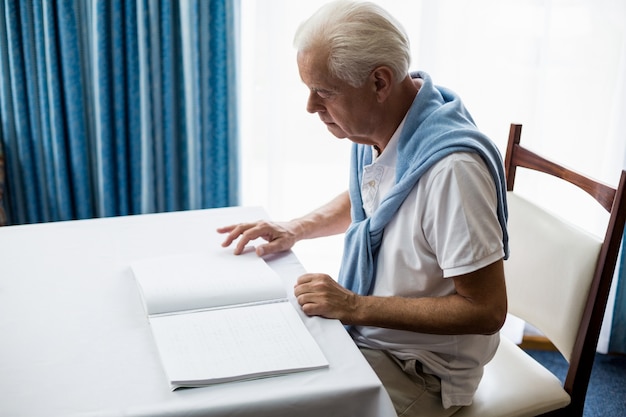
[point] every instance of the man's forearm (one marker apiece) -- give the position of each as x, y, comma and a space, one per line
451, 314
330, 219
479, 306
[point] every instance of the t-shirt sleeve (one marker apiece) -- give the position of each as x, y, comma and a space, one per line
460, 219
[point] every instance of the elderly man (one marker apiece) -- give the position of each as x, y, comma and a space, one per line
421, 287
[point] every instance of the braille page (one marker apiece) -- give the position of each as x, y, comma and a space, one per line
210, 279
214, 346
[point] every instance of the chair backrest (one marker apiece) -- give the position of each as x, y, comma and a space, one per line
559, 276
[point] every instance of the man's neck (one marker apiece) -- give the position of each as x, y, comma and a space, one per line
400, 104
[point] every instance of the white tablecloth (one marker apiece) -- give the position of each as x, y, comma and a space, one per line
75, 340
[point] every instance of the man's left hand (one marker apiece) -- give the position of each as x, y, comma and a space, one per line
321, 295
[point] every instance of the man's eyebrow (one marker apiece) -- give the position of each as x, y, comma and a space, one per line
323, 90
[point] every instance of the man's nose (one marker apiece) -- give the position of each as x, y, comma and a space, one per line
313, 104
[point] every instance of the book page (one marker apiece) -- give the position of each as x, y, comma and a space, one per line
205, 280
214, 346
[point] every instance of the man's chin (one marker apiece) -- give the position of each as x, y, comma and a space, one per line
336, 131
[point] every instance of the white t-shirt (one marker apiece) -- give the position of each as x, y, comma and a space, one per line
447, 226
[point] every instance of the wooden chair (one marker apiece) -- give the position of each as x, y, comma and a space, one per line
558, 280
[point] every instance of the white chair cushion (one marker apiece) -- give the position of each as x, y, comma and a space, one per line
515, 385
549, 272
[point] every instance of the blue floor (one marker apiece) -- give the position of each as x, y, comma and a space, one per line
606, 395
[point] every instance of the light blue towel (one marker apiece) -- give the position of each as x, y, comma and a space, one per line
436, 126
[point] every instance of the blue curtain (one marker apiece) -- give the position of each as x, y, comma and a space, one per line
617, 341
116, 107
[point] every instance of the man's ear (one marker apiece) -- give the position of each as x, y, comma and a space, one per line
383, 81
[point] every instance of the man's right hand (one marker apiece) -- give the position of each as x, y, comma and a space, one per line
280, 236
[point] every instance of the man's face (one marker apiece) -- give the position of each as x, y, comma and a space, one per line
348, 112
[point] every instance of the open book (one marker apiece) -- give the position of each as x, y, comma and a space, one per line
217, 317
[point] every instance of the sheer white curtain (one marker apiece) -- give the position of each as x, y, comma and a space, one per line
558, 67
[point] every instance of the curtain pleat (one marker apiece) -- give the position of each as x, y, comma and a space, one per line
190, 15
146, 159
31, 149
103, 103
218, 131
172, 93
74, 103
119, 89
206, 90
114, 107
48, 205
132, 159
18, 139
57, 157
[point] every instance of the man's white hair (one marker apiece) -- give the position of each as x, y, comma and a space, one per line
359, 36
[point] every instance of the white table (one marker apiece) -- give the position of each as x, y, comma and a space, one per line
75, 340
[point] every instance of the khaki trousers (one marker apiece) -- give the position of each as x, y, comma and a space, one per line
413, 392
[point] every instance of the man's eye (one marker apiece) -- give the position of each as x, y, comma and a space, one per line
324, 94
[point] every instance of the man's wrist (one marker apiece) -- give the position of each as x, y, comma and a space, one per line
358, 309
298, 228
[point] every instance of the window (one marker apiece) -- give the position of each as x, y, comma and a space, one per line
557, 67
